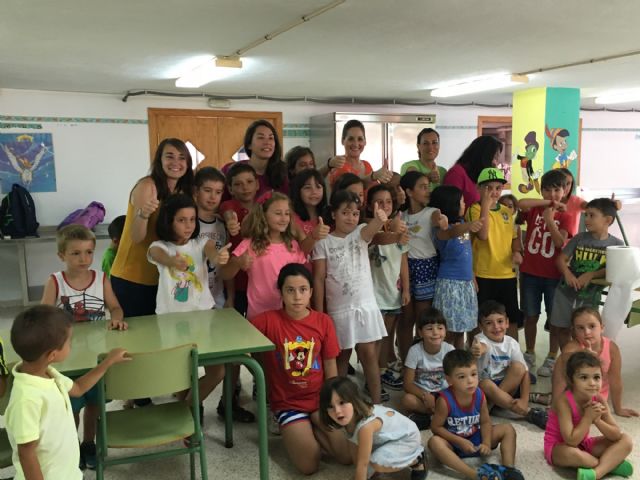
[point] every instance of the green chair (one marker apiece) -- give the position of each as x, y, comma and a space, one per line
151, 374
5, 446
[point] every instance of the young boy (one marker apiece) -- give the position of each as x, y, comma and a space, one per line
210, 184
462, 427
547, 230
242, 182
496, 247
504, 376
115, 232
85, 294
581, 260
40, 422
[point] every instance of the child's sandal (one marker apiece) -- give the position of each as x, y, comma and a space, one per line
420, 473
586, 474
540, 398
508, 473
487, 471
625, 469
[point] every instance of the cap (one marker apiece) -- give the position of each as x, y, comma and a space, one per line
491, 175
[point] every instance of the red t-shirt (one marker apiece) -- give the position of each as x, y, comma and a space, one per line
539, 250
295, 370
233, 205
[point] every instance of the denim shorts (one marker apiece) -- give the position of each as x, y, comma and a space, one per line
532, 291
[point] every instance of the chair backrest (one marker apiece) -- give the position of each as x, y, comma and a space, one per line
4, 399
151, 374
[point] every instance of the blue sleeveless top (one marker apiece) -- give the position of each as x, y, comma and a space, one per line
460, 421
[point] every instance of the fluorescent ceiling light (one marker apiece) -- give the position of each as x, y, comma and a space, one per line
621, 96
209, 71
480, 85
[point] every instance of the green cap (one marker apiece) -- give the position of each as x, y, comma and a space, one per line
491, 175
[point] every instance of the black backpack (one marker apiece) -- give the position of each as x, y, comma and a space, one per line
18, 214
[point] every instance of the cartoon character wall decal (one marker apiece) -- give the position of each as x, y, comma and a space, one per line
558, 139
529, 176
298, 356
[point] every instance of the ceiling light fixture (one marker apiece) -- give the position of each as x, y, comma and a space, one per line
492, 82
621, 96
215, 68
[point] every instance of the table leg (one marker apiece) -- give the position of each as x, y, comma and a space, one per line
228, 389
256, 370
24, 275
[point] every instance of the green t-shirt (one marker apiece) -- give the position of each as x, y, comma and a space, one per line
419, 166
107, 260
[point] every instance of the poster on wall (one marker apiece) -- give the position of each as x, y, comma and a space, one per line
28, 160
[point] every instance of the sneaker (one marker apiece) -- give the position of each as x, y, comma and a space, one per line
530, 359
396, 367
351, 370
390, 380
238, 413
419, 469
538, 417
384, 395
422, 420
88, 452
82, 464
546, 369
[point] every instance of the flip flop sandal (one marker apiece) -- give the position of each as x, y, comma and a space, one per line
487, 471
540, 398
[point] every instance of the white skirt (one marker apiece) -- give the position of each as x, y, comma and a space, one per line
361, 324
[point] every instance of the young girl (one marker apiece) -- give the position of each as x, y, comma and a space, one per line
566, 439
455, 292
305, 355
586, 323
181, 260
423, 373
341, 269
511, 202
352, 183
575, 204
299, 159
270, 246
309, 199
423, 259
389, 268
384, 440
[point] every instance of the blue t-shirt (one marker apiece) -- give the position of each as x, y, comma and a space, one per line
455, 257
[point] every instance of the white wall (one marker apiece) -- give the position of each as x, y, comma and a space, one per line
102, 161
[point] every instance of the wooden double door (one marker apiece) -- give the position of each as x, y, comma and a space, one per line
216, 134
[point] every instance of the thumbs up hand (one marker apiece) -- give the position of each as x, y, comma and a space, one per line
378, 213
321, 231
337, 162
223, 255
384, 175
443, 222
179, 262
476, 225
476, 348
233, 225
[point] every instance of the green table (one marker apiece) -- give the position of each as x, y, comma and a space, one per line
222, 337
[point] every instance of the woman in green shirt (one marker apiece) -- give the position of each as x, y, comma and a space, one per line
428, 149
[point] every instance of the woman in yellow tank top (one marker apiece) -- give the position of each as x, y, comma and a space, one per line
134, 279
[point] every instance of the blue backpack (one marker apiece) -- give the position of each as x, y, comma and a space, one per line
18, 214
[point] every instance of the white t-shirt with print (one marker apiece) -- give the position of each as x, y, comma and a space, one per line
420, 231
493, 364
215, 231
429, 374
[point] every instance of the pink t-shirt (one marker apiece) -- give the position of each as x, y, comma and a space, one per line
539, 250
574, 209
262, 289
457, 176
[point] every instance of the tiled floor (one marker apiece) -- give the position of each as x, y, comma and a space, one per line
241, 461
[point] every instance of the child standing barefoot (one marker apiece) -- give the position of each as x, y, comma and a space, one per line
384, 441
566, 440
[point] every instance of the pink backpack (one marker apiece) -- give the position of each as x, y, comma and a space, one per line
90, 216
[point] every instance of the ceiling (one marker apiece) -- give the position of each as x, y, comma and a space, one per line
382, 49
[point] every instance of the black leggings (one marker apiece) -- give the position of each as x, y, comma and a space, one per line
135, 299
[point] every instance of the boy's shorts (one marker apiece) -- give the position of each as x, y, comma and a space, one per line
476, 439
422, 277
288, 417
394, 311
90, 397
533, 290
515, 394
504, 291
565, 302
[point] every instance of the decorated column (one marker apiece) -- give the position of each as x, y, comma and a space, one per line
545, 135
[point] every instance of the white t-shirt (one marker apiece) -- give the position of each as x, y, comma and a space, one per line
493, 364
429, 373
385, 261
420, 230
40, 409
183, 291
215, 231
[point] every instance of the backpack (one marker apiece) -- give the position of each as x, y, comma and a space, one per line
90, 216
18, 214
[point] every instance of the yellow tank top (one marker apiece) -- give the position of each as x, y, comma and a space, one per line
131, 260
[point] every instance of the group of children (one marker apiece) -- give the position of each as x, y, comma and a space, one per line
379, 266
